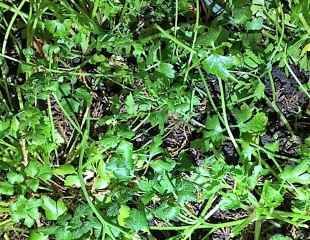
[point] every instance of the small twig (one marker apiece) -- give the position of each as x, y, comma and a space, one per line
22, 143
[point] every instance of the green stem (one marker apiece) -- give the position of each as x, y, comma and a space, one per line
7, 33
67, 115
258, 228
204, 226
194, 40
14, 10
209, 95
231, 136
296, 78
175, 40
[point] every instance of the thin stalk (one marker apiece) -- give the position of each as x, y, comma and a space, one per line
205, 225
11, 58
194, 40
273, 87
209, 95
231, 136
7, 33
67, 115
175, 40
296, 78
281, 115
208, 206
50, 115
23, 15
277, 48
258, 228
20, 98
5, 40
176, 17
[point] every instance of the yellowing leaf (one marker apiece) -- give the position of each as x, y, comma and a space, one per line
305, 49
123, 214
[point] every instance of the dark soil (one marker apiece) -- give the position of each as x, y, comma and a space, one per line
178, 137
230, 153
288, 144
289, 98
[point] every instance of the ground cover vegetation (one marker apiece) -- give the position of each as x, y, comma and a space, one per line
154, 119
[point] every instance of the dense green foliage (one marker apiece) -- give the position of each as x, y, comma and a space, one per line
154, 119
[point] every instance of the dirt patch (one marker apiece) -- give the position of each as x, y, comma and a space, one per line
290, 100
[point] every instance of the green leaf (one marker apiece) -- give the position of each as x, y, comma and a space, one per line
230, 201
213, 123
271, 197
259, 91
131, 107
167, 212
272, 147
14, 177
155, 146
244, 114
185, 192
64, 170
25, 209
109, 141
122, 164
247, 150
52, 208
33, 184
280, 237
219, 65
215, 131
38, 236
297, 174
120, 168
255, 24
161, 166
158, 118
72, 181
241, 15
32, 168
256, 125
125, 149
137, 221
45, 172
6, 188
253, 180
101, 182
167, 70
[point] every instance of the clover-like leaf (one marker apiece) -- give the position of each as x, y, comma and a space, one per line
52, 208
219, 65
